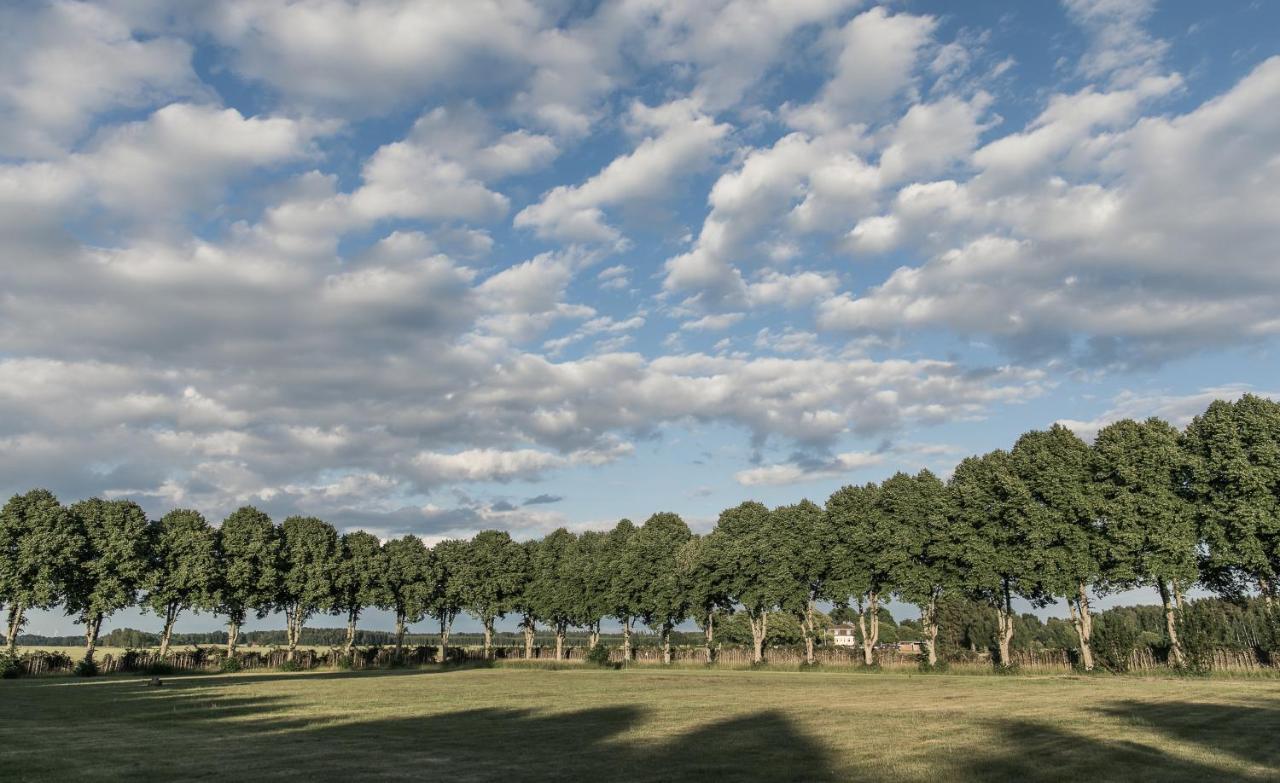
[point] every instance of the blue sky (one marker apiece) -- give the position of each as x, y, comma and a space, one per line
435, 267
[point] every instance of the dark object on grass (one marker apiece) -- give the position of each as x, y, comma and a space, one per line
154, 682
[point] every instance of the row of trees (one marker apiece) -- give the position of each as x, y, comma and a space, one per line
1052, 518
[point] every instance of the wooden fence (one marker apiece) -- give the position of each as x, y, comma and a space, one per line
211, 659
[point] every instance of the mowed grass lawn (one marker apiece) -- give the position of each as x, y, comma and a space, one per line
645, 724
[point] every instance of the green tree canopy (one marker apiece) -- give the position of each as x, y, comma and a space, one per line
1234, 481
653, 556
357, 579
1055, 466
39, 551
449, 587
406, 582
249, 569
995, 535
113, 562
183, 573
1149, 535
493, 576
551, 589
309, 566
751, 568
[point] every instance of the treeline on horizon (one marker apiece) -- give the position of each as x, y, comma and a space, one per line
1052, 518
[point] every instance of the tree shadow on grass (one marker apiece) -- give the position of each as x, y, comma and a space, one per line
1249, 731
189, 730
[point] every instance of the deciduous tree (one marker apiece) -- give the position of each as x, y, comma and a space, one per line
550, 587
309, 564
995, 533
113, 561
406, 583
1054, 465
38, 553
1234, 481
754, 573
494, 571
624, 587
248, 578
653, 555
183, 569
1149, 535
357, 578
449, 588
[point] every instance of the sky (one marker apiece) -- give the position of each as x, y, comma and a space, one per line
433, 267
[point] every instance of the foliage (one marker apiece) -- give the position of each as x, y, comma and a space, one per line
599, 656
230, 665
290, 666
114, 559
10, 665
86, 667
1115, 638
248, 551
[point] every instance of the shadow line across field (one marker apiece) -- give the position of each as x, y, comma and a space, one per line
268, 737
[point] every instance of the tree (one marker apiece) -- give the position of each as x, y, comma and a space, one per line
624, 588
183, 570
38, 548
927, 569
590, 579
1149, 536
357, 578
449, 588
248, 575
525, 601
113, 561
405, 585
708, 596
550, 588
494, 568
1054, 465
1233, 479
806, 540
653, 556
309, 558
751, 569
872, 546
995, 538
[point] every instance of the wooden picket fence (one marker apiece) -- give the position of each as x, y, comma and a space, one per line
210, 659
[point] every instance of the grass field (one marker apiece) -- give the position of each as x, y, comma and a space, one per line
643, 725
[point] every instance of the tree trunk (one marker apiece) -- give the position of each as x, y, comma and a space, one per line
1267, 590
527, 625
626, 638
1083, 621
488, 638
15, 625
560, 630
399, 634
929, 621
446, 625
233, 637
594, 638
91, 627
708, 631
294, 621
808, 633
353, 615
1170, 626
666, 643
1004, 626
759, 628
170, 617
869, 625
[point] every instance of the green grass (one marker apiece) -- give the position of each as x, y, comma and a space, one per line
647, 724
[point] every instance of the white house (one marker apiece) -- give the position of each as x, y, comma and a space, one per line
844, 635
